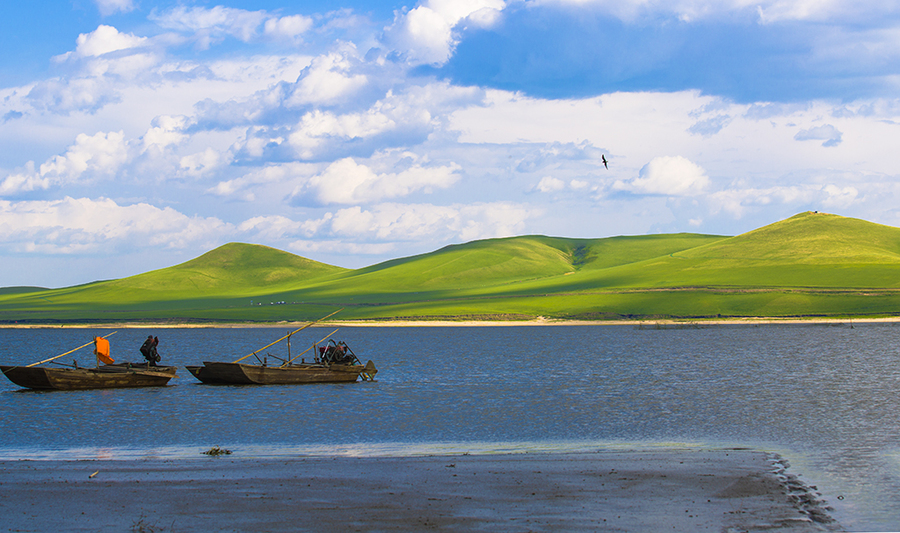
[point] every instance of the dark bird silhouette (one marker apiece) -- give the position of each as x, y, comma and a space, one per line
603, 157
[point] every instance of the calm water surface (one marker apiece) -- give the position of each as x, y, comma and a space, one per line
824, 396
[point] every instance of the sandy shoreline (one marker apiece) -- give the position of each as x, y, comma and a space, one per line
649, 324
672, 490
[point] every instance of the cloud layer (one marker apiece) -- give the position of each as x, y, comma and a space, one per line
165, 131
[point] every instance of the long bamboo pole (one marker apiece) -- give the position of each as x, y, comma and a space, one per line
311, 347
286, 336
67, 353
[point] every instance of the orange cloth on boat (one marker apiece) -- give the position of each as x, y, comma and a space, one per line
101, 348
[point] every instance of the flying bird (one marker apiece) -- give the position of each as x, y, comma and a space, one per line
603, 157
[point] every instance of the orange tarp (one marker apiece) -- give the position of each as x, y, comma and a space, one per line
101, 348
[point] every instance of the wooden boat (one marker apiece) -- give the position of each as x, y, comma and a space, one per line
333, 363
109, 375
214, 373
102, 377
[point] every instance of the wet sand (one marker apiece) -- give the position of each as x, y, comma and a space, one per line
660, 490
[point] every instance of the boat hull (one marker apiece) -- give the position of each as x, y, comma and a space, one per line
105, 377
217, 373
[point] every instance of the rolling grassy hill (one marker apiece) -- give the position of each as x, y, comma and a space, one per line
812, 264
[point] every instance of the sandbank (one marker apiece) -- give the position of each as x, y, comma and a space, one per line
657, 490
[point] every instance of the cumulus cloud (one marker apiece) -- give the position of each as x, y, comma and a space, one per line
409, 222
242, 187
839, 197
165, 131
328, 79
348, 182
550, 184
425, 33
103, 40
288, 28
319, 131
667, 176
83, 225
25, 180
101, 154
738, 201
203, 163
67, 96
827, 133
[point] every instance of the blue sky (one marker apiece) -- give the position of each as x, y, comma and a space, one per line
140, 134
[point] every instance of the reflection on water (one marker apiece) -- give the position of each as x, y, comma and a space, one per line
824, 396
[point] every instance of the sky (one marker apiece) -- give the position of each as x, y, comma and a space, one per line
139, 134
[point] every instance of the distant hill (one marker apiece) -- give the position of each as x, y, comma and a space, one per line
812, 264
234, 268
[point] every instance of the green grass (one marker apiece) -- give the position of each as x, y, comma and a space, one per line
811, 264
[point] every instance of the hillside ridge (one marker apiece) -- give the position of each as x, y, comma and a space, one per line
809, 264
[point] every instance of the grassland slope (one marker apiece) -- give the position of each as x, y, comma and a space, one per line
234, 270
496, 266
807, 250
812, 264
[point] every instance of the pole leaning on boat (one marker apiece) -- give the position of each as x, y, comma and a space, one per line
70, 351
286, 336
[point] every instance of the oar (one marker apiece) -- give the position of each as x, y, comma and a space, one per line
311, 347
67, 353
286, 336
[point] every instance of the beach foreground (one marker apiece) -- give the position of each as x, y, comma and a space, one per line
659, 490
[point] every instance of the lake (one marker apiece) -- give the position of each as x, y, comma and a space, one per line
823, 396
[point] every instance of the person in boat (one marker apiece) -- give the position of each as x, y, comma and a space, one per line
149, 351
153, 351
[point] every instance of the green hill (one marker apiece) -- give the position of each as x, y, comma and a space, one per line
811, 264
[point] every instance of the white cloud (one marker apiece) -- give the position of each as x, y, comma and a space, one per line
425, 33
668, 176
494, 220
82, 225
327, 80
103, 40
550, 184
827, 133
739, 201
337, 247
165, 131
275, 227
274, 174
25, 180
67, 96
288, 28
839, 197
203, 163
765, 11
100, 154
319, 129
109, 7
211, 25
411, 222
347, 182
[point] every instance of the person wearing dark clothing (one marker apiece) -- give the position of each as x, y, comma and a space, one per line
148, 349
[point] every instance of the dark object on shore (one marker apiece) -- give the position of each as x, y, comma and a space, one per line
216, 451
109, 376
103, 377
334, 363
